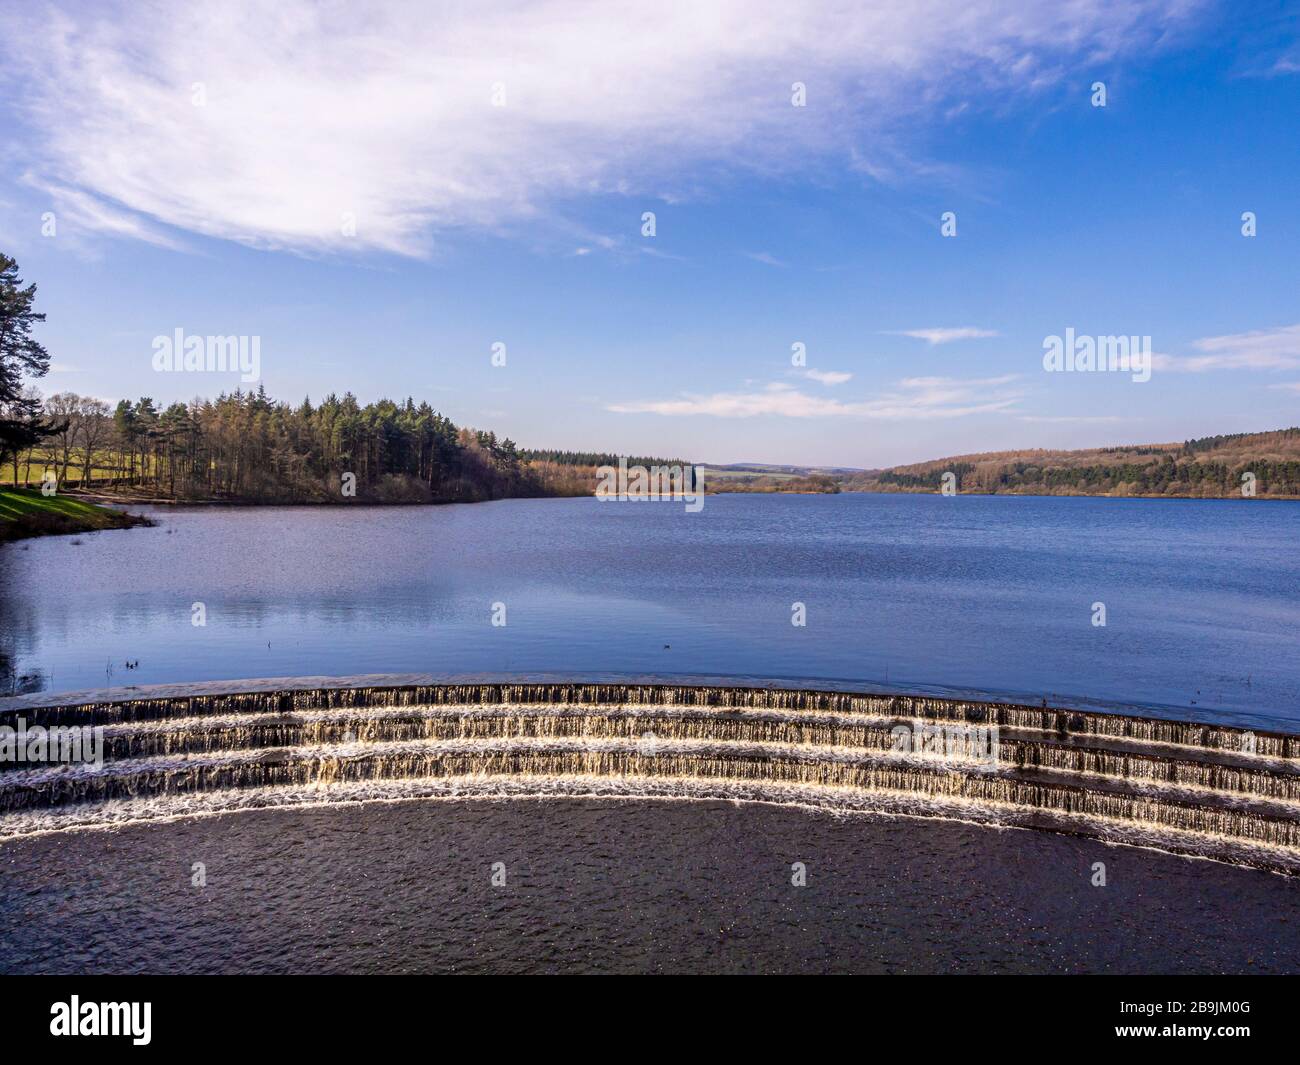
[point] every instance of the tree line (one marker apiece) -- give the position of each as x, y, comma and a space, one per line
1166, 476
247, 446
594, 458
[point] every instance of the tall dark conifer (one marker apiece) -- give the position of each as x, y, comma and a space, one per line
21, 355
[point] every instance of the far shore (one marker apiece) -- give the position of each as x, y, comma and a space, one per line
25, 513
115, 500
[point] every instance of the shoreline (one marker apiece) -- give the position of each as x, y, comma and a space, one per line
110, 500
26, 514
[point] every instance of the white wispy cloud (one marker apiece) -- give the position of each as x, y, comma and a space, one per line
914, 398
80, 214
1260, 349
1070, 419
943, 335
385, 111
764, 257
828, 377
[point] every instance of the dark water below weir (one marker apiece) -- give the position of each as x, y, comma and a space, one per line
601, 885
989, 595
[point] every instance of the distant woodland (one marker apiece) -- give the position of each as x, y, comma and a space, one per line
1211, 467
248, 447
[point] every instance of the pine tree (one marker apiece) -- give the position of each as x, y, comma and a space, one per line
21, 423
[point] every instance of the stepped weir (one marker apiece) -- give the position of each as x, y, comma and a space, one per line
1194, 788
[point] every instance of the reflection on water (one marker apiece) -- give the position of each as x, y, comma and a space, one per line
993, 594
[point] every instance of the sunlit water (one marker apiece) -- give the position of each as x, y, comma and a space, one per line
987, 594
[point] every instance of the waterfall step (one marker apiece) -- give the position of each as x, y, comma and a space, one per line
1206, 787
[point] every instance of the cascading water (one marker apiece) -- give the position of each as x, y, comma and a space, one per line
1191, 787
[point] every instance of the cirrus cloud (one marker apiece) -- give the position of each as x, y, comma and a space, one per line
914, 398
1259, 349
943, 335
269, 124
828, 377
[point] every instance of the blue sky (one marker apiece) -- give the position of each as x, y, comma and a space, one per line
497, 163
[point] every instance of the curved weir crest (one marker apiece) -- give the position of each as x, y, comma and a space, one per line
1195, 788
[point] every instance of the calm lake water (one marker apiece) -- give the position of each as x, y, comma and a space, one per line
987, 594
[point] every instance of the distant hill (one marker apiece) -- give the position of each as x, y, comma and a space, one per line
1212, 467
795, 471
764, 476
768, 477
